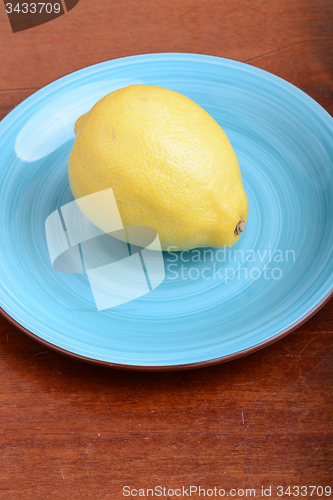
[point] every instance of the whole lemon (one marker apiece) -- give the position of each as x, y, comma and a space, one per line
170, 165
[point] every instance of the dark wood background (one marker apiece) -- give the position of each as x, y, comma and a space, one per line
70, 430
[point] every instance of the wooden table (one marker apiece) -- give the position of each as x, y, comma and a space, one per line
71, 430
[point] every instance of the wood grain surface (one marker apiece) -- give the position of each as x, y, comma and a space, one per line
70, 430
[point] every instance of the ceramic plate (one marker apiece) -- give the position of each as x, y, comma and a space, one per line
212, 305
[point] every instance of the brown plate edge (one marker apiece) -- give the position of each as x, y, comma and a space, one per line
189, 366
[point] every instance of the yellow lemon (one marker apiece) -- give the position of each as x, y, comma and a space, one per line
170, 166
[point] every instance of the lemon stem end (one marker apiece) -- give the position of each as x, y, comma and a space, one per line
241, 226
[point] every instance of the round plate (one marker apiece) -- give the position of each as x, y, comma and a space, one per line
213, 305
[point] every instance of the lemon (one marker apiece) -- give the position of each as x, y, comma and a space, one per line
170, 165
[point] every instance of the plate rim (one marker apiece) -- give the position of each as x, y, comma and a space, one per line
198, 364
190, 54
169, 368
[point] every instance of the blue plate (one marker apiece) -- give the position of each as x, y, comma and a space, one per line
212, 305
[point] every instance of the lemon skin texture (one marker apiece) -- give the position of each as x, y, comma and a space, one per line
169, 163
